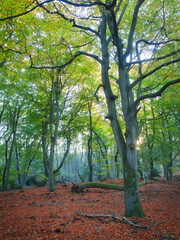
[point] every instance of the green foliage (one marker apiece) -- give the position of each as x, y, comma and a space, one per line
39, 39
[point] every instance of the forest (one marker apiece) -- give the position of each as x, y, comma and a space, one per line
89, 96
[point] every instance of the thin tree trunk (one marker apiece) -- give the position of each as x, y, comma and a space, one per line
65, 154
117, 165
18, 167
45, 147
9, 156
103, 150
26, 172
90, 145
170, 174
54, 117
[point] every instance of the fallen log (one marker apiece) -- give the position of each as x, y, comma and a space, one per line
79, 188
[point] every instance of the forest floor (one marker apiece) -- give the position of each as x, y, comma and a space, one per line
36, 213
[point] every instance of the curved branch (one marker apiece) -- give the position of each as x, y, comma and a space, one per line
85, 28
79, 53
64, 157
156, 94
152, 59
133, 26
65, 1
158, 43
95, 94
57, 12
90, 4
151, 72
95, 57
56, 67
24, 13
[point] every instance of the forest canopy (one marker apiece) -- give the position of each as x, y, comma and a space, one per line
89, 90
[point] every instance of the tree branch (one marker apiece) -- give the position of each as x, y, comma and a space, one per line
56, 12
91, 55
95, 94
24, 13
65, 155
151, 72
90, 4
119, 20
152, 59
158, 43
85, 28
79, 53
156, 94
55, 67
133, 26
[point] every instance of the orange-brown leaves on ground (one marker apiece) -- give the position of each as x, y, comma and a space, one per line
36, 213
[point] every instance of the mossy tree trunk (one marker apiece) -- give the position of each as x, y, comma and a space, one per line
126, 145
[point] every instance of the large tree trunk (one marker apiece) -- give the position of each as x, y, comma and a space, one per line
133, 205
126, 147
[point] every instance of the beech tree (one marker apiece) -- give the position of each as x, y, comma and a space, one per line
134, 43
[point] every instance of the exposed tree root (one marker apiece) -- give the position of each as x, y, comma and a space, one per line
114, 217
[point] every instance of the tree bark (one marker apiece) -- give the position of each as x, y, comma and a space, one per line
117, 164
90, 144
17, 167
54, 123
133, 205
45, 146
126, 147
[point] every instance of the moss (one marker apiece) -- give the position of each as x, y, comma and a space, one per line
80, 188
138, 210
52, 190
132, 146
101, 185
133, 209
